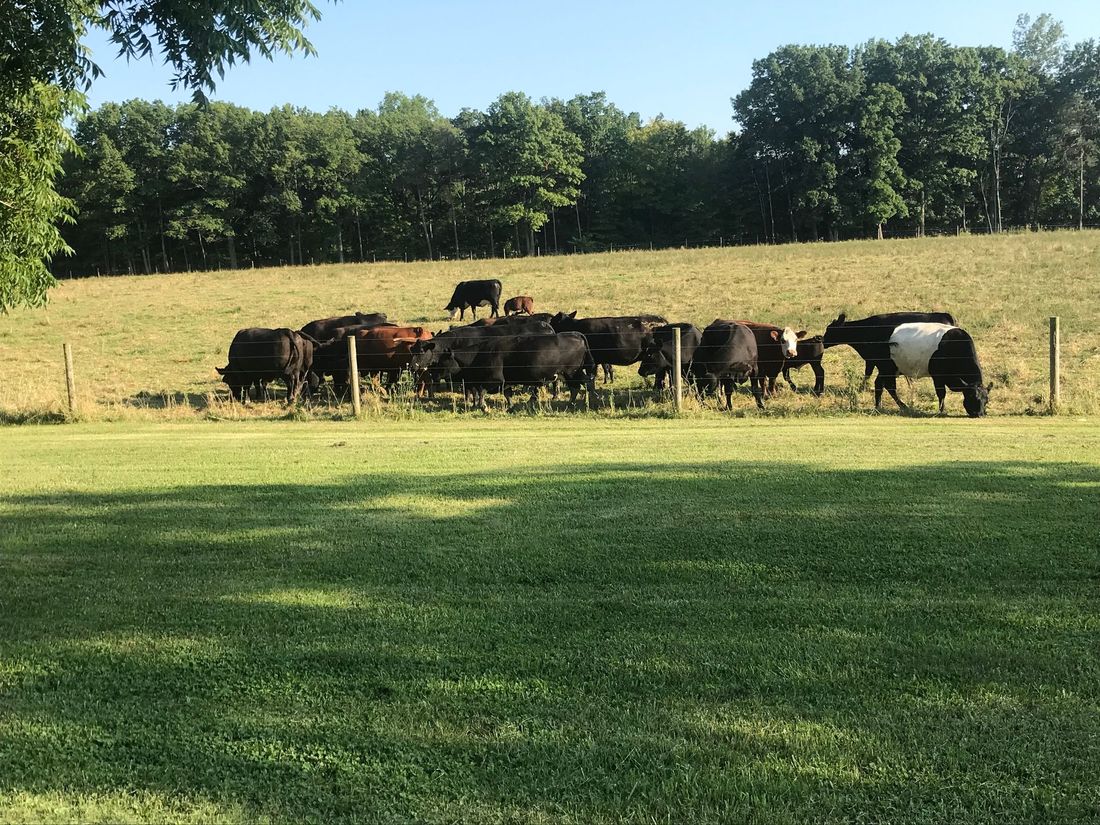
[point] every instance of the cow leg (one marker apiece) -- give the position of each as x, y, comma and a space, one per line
787, 378
496, 310
819, 376
941, 393
590, 391
891, 384
868, 368
757, 385
473, 311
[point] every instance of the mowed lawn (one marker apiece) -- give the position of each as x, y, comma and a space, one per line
588, 620
145, 342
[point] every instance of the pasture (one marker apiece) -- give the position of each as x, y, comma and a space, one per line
559, 620
146, 347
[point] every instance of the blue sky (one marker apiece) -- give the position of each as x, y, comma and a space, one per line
684, 59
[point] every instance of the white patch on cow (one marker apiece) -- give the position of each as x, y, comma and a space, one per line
913, 345
790, 342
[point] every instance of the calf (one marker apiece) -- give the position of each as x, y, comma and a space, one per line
774, 346
473, 294
659, 352
941, 351
727, 356
521, 304
809, 352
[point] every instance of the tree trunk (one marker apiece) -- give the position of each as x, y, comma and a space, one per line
554, 222
301, 260
163, 246
359, 231
790, 206
232, 252
580, 232
424, 224
202, 249
880, 230
923, 210
771, 205
454, 226
1081, 189
340, 241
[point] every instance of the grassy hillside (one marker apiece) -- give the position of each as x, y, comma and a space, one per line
560, 621
139, 340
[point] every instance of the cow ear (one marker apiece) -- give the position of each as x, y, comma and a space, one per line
800, 334
841, 318
220, 370
775, 334
990, 387
573, 314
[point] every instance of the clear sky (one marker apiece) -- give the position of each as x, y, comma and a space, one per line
684, 60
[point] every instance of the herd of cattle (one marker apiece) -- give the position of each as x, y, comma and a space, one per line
524, 349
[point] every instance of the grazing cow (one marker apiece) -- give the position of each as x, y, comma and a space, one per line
942, 351
659, 352
474, 294
774, 345
515, 322
870, 336
727, 356
809, 352
532, 361
450, 353
259, 355
614, 341
521, 304
379, 351
325, 329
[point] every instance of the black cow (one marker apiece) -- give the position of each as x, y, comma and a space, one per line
614, 341
810, 351
474, 294
259, 355
870, 336
532, 361
659, 351
325, 329
727, 356
941, 351
446, 356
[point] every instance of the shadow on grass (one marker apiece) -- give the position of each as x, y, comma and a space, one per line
601, 642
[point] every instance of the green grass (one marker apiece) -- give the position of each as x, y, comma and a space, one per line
551, 621
146, 347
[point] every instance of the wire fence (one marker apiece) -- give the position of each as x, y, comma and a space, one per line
577, 247
391, 371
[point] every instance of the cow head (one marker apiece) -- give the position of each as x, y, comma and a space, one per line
424, 355
789, 340
833, 332
975, 399
653, 357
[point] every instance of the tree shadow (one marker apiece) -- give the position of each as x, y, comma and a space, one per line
600, 641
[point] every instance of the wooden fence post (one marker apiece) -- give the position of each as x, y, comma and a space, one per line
70, 382
353, 375
1055, 365
677, 376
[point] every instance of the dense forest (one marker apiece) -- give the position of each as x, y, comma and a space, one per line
889, 138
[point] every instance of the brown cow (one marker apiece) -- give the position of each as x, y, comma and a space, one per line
379, 351
524, 304
774, 345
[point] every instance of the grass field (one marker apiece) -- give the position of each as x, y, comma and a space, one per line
145, 343
561, 620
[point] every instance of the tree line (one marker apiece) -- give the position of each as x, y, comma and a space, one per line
911, 136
